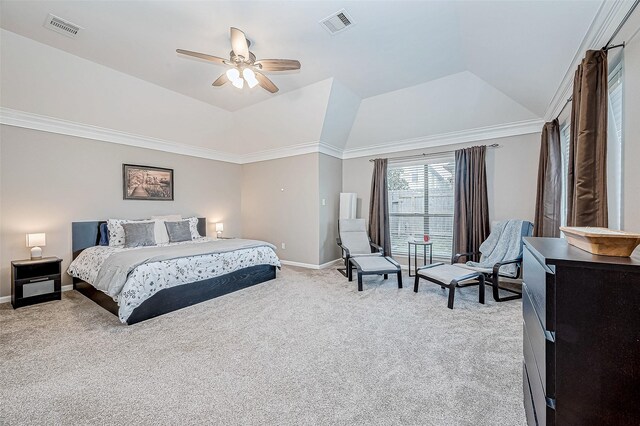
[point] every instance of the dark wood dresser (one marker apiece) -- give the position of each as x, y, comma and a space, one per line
581, 336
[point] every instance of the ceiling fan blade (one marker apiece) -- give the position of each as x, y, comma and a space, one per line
202, 56
239, 43
221, 80
266, 83
278, 64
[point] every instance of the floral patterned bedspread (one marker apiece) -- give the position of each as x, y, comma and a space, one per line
149, 278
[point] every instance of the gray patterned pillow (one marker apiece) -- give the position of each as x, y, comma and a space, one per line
193, 226
178, 231
138, 234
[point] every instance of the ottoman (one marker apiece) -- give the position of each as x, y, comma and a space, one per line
374, 265
450, 276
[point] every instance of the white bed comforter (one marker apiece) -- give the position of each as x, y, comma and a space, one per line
149, 278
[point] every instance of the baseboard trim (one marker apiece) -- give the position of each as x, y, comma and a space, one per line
309, 265
7, 299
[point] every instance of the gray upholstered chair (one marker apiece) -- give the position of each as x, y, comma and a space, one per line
493, 274
354, 242
460, 274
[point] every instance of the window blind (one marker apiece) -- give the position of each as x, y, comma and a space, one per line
614, 148
565, 135
421, 202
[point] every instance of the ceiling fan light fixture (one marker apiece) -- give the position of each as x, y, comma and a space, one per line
252, 83
233, 74
238, 82
250, 77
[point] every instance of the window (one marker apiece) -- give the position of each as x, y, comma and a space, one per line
421, 202
614, 148
565, 134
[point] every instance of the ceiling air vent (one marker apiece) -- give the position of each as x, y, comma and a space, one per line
62, 26
337, 22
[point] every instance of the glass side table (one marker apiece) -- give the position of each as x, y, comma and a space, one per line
415, 245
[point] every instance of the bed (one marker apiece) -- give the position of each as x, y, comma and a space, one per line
166, 277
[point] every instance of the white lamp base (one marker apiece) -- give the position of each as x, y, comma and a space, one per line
36, 253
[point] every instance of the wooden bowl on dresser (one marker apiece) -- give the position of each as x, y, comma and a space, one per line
602, 241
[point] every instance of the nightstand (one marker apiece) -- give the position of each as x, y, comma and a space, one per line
35, 281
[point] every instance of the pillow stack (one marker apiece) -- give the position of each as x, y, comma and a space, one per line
157, 230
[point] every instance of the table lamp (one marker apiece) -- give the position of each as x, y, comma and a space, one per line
219, 229
35, 241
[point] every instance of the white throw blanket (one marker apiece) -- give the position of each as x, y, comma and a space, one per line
503, 243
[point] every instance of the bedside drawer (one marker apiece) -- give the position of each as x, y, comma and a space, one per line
535, 276
38, 287
542, 343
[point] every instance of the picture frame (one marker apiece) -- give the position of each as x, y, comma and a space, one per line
147, 183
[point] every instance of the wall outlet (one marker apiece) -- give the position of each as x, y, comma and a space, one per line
284, 246
324, 201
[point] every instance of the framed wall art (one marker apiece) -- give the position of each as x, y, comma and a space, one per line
147, 183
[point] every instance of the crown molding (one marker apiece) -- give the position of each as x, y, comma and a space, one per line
464, 136
609, 16
43, 123
291, 151
27, 120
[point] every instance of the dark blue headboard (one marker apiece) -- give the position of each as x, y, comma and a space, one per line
86, 234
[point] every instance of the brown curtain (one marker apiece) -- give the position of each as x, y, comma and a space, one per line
379, 207
587, 176
471, 206
549, 197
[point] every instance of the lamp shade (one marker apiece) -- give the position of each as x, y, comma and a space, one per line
219, 227
36, 240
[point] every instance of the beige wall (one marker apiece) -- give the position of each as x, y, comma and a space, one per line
330, 174
48, 181
280, 204
511, 176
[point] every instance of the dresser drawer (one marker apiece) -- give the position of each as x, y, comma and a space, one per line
542, 343
529, 409
544, 406
539, 280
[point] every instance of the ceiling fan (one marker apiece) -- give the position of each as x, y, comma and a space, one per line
245, 67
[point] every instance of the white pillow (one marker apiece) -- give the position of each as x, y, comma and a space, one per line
162, 237
116, 231
193, 227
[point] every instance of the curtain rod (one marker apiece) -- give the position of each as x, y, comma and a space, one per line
433, 154
624, 21
604, 48
607, 46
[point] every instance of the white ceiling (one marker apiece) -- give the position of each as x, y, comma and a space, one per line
522, 48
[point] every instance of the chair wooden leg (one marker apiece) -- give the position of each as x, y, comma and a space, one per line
481, 289
399, 279
452, 294
385, 276
359, 281
415, 284
495, 283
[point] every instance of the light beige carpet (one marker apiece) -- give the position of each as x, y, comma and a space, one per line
307, 348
